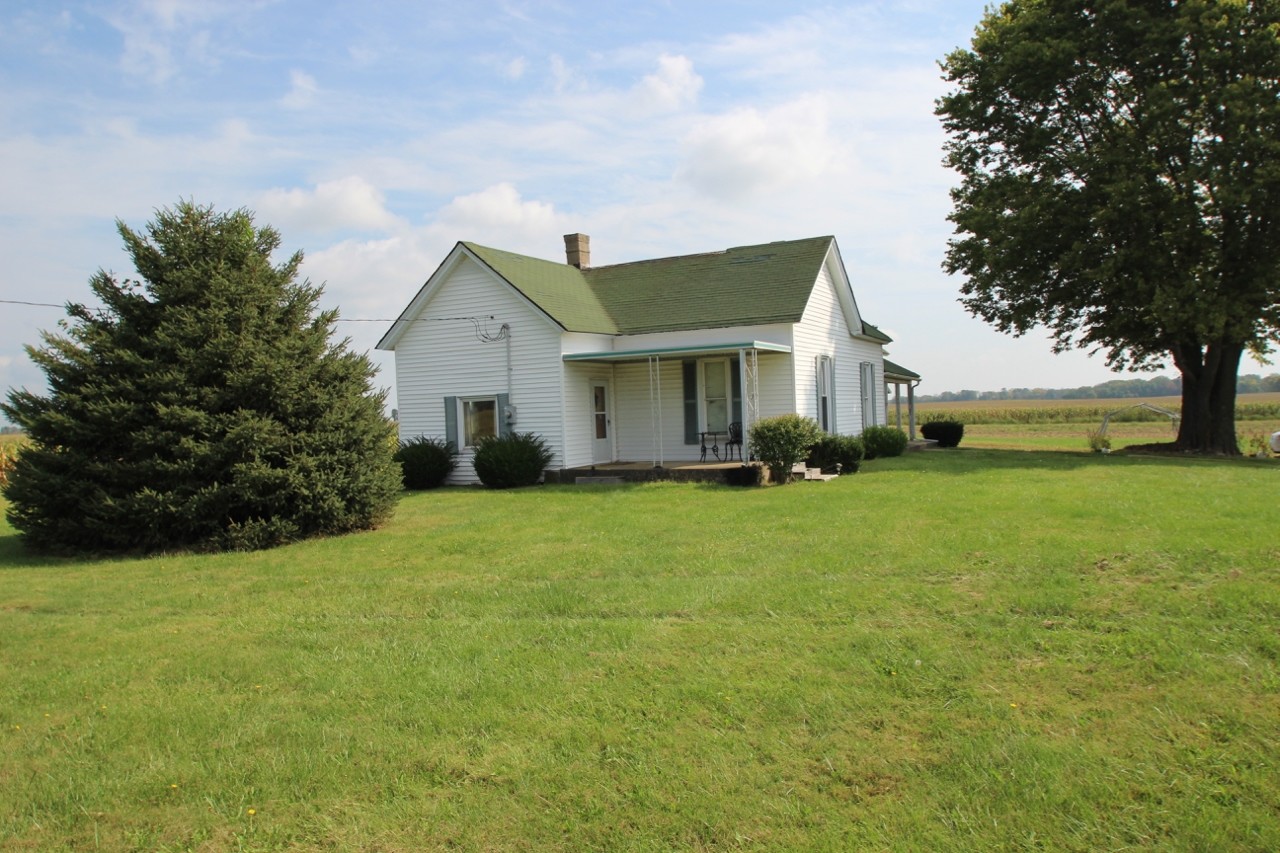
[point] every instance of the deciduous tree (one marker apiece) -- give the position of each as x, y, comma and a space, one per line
1120, 166
203, 406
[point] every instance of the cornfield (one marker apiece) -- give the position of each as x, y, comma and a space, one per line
8, 456
1122, 411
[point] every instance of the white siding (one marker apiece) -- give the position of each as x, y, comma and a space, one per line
438, 359
823, 330
579, 421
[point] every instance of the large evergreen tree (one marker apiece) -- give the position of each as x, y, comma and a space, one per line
1120, 165
203, 406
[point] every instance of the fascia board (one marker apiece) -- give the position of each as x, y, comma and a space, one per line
844, 290
420, 299
419, 302
498, 277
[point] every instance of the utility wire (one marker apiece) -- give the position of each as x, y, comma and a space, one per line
339, 320
20, 302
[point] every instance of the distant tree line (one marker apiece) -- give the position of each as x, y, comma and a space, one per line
1158, 386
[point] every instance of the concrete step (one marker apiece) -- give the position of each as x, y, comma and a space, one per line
810, 473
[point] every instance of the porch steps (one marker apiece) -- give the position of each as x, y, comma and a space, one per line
811, 473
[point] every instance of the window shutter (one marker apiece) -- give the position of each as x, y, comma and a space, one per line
689, 371
504, 428
451, 421
871, 392
817, 392
868, 380
735, 382
831, 394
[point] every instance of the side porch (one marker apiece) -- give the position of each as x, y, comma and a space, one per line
671, 408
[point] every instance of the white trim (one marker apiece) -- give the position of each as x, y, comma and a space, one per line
726, 350
418, 304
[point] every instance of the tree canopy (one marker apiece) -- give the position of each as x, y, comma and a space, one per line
203, 406
1120, 166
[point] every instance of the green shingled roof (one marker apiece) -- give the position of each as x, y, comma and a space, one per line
749, 285
898, 371
558, 289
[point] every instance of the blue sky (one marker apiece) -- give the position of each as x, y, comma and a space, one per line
375, 136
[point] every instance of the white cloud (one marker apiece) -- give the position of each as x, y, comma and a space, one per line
499, 208
747, 151
674, 85
159, 34
515, 69
302, 91
350, 202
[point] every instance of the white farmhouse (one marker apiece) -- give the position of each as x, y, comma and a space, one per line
661, 360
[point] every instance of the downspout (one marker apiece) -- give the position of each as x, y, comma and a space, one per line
506, 332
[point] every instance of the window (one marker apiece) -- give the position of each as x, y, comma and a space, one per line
479, 419
715, 395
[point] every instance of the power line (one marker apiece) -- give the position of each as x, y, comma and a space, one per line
20, 302
337, 320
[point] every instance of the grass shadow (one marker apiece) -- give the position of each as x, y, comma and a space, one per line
961, 460
15, 555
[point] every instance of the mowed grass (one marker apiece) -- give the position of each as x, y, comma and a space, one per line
953, 650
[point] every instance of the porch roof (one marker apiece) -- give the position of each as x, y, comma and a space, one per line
694, 349
898, 372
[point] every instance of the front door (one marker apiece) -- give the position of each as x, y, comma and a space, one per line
601, 422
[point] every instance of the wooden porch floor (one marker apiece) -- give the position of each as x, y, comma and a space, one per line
643, 472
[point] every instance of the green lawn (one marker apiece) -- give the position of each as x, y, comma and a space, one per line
954, 650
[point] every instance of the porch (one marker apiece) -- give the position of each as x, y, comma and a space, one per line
644, 472
667, 402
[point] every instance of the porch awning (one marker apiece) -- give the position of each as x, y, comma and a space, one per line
674, 352
896, 372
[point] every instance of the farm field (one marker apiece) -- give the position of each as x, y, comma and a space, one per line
952, 650
1066, 424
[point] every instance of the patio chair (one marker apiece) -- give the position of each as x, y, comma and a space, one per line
734, 440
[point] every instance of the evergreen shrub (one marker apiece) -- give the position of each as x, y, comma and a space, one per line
845, 451
426, 462
782, 441
884, 441
513, 460
203, 406
947, 433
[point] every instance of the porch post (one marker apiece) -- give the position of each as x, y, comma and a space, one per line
655, 409
911, 408
897, 403
749, 374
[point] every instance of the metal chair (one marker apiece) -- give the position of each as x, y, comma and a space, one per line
734, 440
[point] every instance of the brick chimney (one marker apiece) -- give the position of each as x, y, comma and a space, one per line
577, 249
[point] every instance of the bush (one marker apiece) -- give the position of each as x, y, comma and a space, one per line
884, 441
845, 451
780, 442
513, 460
947, 433
205, 406
426, 462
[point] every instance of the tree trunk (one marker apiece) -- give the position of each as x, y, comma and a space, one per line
1208, 422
